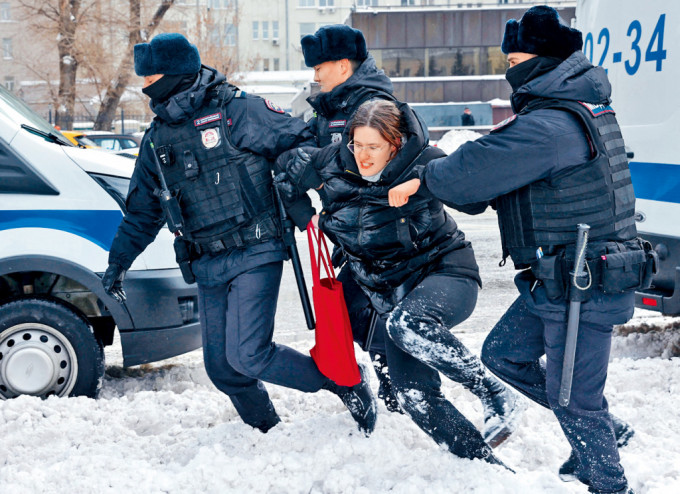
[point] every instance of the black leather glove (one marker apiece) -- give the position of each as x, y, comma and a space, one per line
113, 282
288, 191
301, 171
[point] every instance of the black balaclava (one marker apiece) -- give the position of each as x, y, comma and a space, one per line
527, 71
169, 85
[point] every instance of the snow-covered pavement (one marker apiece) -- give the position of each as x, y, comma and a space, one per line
165, 428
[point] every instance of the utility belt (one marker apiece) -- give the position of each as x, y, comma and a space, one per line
620, 267
259, 230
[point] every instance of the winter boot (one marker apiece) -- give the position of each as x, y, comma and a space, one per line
623, 431
359, 401
502, 409
254, 412
385, 390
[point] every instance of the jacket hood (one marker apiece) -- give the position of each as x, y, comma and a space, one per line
182, 105
367, 77
574, 79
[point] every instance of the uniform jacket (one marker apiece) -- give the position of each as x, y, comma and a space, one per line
389, 250
334, 110
540, 145
256, 126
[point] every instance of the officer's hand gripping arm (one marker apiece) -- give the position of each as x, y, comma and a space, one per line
113, 282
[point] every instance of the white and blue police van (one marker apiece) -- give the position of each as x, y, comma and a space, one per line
638, 43
60, 207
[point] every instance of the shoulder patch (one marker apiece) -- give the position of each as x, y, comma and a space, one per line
598, 110
207, 119
240, 94
273, 107
504, 123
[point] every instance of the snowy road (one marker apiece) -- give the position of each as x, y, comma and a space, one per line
165, 428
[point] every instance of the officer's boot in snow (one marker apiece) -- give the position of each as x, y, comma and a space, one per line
256, 409
623, 431
502, 409
385, 390
359, 401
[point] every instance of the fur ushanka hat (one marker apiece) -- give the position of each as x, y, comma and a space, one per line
168, 54
541, 32
333, 42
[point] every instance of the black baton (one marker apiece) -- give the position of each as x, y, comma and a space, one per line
578, 283
289, 240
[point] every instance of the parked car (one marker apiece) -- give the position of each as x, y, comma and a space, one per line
115, 142
60, 207
79, 138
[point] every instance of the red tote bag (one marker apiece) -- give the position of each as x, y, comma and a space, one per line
333, 352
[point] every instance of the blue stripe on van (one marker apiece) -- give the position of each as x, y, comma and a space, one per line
98, 226
656, 181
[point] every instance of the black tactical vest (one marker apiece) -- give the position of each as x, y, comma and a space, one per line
222, 190
598, 193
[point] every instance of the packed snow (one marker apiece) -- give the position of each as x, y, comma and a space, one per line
164, 428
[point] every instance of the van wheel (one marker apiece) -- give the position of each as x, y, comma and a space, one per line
47, 349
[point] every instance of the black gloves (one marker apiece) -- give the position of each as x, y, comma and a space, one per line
289, 193
301, 171
113, 282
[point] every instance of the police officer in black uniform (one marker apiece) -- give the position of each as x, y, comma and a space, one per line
347, 76
214, 149
559, 161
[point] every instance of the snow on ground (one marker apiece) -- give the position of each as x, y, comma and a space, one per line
163, 428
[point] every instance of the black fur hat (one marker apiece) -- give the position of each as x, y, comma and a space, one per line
541, 32
334, 42
168, 54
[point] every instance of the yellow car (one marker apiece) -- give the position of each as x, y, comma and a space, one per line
79, 139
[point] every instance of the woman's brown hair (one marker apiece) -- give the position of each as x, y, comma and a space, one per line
381, 115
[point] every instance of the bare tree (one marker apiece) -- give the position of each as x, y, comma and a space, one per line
118, 84
64, 18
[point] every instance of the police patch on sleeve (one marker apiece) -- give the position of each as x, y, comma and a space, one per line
210, 138
504, 123
273, 107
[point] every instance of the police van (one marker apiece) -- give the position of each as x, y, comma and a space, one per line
638, 43
60, 207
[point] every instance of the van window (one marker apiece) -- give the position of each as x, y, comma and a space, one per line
21, 113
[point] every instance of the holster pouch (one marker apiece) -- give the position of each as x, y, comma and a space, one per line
183, 258
630, 269
549, 269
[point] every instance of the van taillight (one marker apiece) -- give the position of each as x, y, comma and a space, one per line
649, 301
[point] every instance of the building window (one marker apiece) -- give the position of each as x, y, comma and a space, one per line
9, 82
275, 29
265, 29
230, 35
5, 14
265, 64
326, 3
217, 4
305, 3
256, 29
408, 2
7, 48
307, 28
367, 3
276, 63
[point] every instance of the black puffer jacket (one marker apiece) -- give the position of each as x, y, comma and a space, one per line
390, 250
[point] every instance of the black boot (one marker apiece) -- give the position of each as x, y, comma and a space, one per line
385, 390
502, 409
623, 431
254, 412
625, 490
359, 401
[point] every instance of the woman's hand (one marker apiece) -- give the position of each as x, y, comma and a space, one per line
315, 221
398, 196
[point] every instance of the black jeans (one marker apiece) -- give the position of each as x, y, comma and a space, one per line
535, 326
237, 319
419, 345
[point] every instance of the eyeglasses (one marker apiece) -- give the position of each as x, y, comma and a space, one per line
357, 148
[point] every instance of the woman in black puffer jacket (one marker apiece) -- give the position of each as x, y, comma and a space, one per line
410, 265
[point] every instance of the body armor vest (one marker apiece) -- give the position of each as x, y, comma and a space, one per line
221, 189
599, 193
